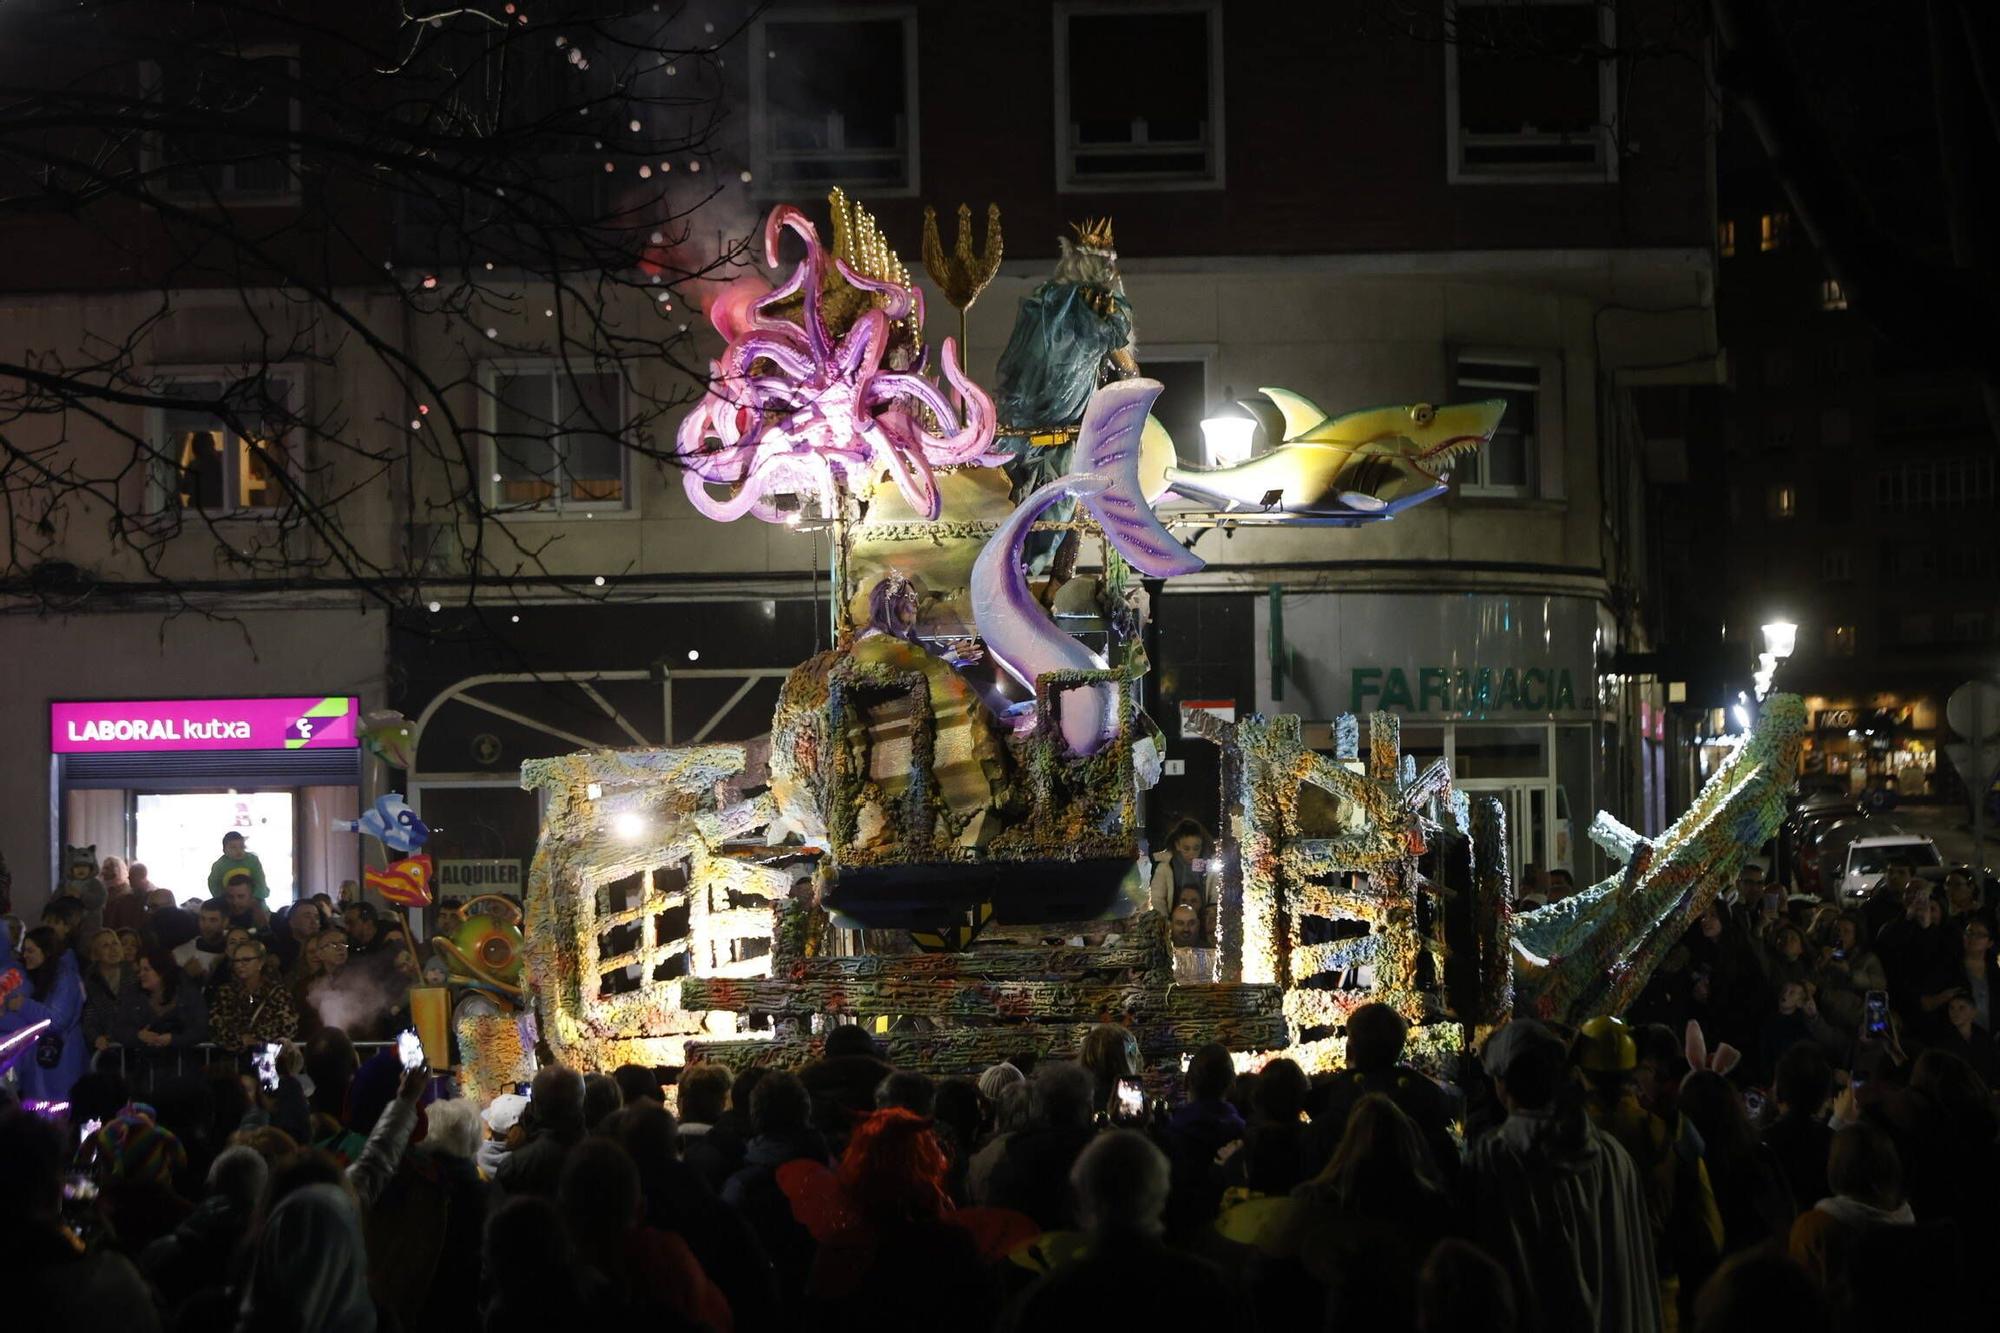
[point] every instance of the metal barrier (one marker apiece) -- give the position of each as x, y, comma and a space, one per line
186, 1059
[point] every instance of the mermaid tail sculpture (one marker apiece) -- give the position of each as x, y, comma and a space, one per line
1017, 632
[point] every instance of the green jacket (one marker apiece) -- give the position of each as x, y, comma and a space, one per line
225, 866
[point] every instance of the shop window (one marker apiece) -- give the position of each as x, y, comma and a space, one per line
175, 836
1840, 640
1509, 466
242, 147
1773, 231
1781, 501
1725, 239
1530, 91
554, 437
1138, 96
228, 451
1836, 565
1831, 296
833, 101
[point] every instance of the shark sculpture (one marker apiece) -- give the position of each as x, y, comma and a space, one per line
1350, 469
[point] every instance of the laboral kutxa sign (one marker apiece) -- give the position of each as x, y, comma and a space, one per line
100, 726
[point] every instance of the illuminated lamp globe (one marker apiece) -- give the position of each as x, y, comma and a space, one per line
1228, 440
1780, 637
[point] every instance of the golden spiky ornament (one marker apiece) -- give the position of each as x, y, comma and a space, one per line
1093, 236
962, 275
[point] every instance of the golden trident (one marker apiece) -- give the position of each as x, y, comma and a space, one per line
962, 275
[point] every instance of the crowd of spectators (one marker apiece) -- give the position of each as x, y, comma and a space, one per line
1619, 1176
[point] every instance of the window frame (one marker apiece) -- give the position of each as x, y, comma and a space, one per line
162, 496
1774, 231
766, 182
1546, 446
1067, 181
1605, 172
154, 161
556, 509
1187, 354
1832, 296
1725, 238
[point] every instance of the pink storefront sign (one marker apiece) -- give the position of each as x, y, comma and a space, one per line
104, 726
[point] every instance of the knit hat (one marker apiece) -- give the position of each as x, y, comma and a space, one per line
134, 1150
1513, 1041
504, 1112
997, 1079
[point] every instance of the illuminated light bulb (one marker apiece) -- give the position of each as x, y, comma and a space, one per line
694, 654
493, 333
635, 127
1780, 638
657, 239
415, 424
593, 790
645, 172
515, 619
629, 825
423, 409
746, 178
610, 166
599, 580
496, 476
1228, 440
489, 263
694, 166
430, 282
436, 607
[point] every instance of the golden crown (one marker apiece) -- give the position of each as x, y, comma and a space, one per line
1094, 234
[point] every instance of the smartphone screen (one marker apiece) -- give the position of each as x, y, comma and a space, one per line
409, 1049
1131, 1100
266, 1061
1876, 1007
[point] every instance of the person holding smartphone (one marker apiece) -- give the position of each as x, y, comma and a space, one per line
1848, 970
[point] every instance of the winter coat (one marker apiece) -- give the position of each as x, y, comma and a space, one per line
63, 1038
1569, 1224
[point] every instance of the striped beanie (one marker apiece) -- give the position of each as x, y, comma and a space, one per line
133, 1149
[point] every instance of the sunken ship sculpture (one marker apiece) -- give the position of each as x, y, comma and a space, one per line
942, 834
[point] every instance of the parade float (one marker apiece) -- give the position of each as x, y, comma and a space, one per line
942, 835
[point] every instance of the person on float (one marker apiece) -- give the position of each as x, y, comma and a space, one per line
235, 857
1183, 865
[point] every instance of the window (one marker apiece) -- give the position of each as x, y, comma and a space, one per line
833, 101
555, 437
1920, 627
1778, 430
1778, 365
1836, 494
1951, 483
1970, 627
1184, 370
1781, 502
1529, 92
1508, 466
1725, 240
1138, 97
1831, 297
1836, 427
243, 143
1836, 565
1840, 640
1839, 360
204, 460
1773, 230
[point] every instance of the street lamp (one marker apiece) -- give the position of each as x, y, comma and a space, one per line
1228, 440
1780, 637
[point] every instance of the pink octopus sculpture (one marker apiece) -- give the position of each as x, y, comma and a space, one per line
791, 411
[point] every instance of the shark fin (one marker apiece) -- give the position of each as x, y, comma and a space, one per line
1301, 413
1108, 452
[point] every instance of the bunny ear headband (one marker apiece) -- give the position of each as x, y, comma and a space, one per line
1726, 1057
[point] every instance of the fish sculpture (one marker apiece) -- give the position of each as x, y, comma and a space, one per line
1361, 466
1104, 475
406, 883
391, 822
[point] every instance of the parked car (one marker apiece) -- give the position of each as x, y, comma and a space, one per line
1868, 858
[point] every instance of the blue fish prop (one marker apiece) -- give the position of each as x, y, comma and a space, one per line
391, 822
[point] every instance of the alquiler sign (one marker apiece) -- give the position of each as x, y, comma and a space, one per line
104, 726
